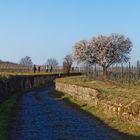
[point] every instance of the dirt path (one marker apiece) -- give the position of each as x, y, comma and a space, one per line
40, 117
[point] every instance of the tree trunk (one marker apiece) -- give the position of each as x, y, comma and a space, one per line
104, 72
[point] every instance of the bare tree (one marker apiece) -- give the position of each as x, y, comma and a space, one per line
103, 50
26, 61
67, 63
52, 62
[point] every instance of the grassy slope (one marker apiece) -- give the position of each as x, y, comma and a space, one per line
110, 91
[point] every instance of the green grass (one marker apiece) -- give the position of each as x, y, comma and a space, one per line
128, 131
5, 113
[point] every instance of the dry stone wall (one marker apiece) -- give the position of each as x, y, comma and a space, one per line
9, 86
129, 113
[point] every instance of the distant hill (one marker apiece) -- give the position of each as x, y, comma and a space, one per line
8, 63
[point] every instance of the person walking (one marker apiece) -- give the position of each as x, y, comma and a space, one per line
51, 68
39, 68
34, 68
47, 68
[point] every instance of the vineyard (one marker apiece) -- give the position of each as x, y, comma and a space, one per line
120, 73
13, 67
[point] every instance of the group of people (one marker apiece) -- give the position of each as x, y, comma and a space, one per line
48, 68
35, 68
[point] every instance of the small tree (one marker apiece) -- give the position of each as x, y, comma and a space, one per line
52, 62
26, 61
103, 50
67, 63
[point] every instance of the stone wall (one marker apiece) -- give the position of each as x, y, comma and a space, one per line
9, 86
129, 113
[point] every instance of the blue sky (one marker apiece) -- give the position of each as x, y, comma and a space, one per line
45, 29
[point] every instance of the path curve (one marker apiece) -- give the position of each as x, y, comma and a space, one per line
40, 117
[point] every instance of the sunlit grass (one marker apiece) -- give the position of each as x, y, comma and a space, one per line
109, 90
11, 74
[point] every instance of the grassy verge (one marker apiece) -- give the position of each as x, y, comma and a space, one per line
110, 91
128, 131
5, 113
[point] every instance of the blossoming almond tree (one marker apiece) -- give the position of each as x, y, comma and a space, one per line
84, 52
103, 50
